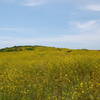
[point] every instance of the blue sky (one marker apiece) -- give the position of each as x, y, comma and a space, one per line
59, 23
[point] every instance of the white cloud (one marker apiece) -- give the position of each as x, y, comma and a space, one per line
25, 2
33, 2
93, 7
85, 25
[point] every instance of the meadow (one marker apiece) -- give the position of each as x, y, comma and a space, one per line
48, 73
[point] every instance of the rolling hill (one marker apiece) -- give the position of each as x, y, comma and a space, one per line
49, 73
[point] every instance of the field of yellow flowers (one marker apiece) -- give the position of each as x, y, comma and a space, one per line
46, 73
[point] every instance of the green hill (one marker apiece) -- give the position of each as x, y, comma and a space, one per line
20, 48
49, 73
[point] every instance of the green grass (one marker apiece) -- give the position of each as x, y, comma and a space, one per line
47, 73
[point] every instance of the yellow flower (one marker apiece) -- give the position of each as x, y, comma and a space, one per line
82, 91
98, 83
81, 84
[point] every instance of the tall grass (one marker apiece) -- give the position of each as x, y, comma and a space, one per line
50, 74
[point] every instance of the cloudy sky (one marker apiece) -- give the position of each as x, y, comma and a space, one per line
59, 23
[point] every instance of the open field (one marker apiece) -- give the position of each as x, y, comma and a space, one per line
46, 73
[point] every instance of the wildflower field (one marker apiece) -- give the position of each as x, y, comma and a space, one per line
47, 73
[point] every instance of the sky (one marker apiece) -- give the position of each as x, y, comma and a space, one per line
71, 24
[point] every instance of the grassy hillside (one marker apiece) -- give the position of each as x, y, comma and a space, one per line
47, 73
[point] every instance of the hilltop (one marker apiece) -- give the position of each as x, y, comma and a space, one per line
31, 48
20, 48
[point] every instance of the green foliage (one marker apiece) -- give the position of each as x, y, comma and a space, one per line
48, 73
